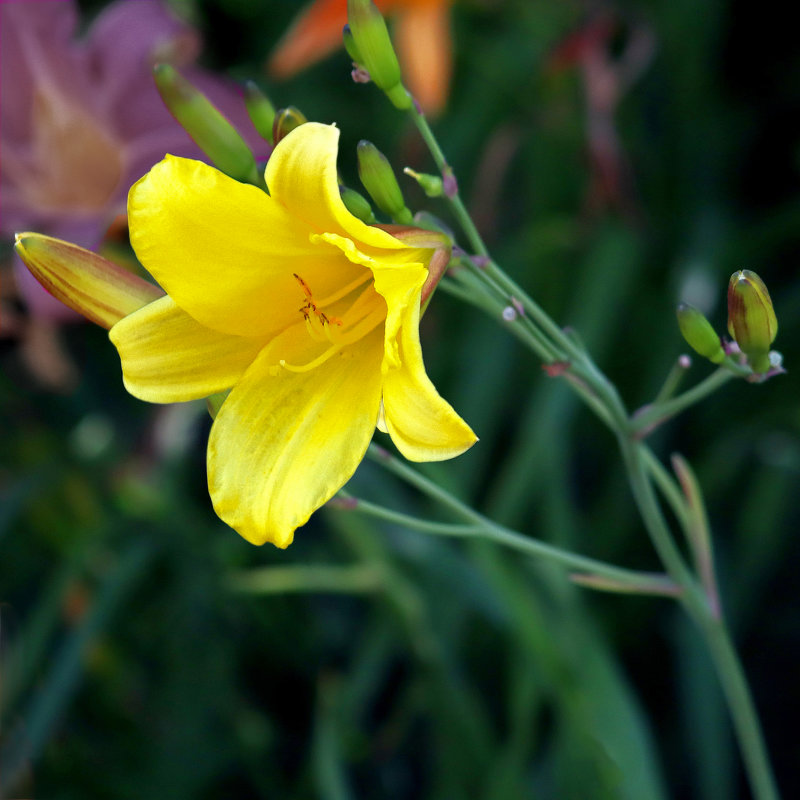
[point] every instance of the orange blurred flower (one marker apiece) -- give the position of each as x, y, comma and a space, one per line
421, 35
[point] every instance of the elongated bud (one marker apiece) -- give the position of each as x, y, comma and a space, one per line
286, 120
211, 131
379, 180
260, 109
430, 184
699, 334
357, 204
88, 283
377, 56
751, 318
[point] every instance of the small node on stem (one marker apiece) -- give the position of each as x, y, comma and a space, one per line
449, 183
343, 503
555, 368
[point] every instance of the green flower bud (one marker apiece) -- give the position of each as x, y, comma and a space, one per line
261, 111
699, 334
432, 185
351, 46
751, 318
378, 178
286, 120
357, 205
374, 47
211, 131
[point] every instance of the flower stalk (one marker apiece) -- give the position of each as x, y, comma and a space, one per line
750, 319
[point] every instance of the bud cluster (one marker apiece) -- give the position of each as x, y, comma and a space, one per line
752, 324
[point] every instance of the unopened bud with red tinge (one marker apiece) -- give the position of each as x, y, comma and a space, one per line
286, 120
699, 334
92, 285
751, 318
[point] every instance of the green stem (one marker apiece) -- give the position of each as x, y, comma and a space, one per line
711, 624
650, 417
672, 381
668, 487
486, 529
604, 399
740, 703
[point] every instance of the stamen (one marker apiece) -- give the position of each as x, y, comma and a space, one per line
310, 307
354, 333
313, 332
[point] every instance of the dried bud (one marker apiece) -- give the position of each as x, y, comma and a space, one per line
379, 180
374, 47
751, 318
260, 109
699, 334
211, 131
92, 285
286, 120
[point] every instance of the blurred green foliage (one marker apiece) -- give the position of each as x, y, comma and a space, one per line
132, 667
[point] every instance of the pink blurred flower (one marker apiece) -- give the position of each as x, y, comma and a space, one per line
82, 119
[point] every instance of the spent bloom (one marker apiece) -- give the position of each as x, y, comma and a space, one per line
306, 315
421, 34
82, 119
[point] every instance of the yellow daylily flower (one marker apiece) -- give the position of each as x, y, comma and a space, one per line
307, 315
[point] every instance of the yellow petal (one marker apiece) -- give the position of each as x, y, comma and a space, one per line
283, 444
223, 250
168, 357
301, 175
422, 425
